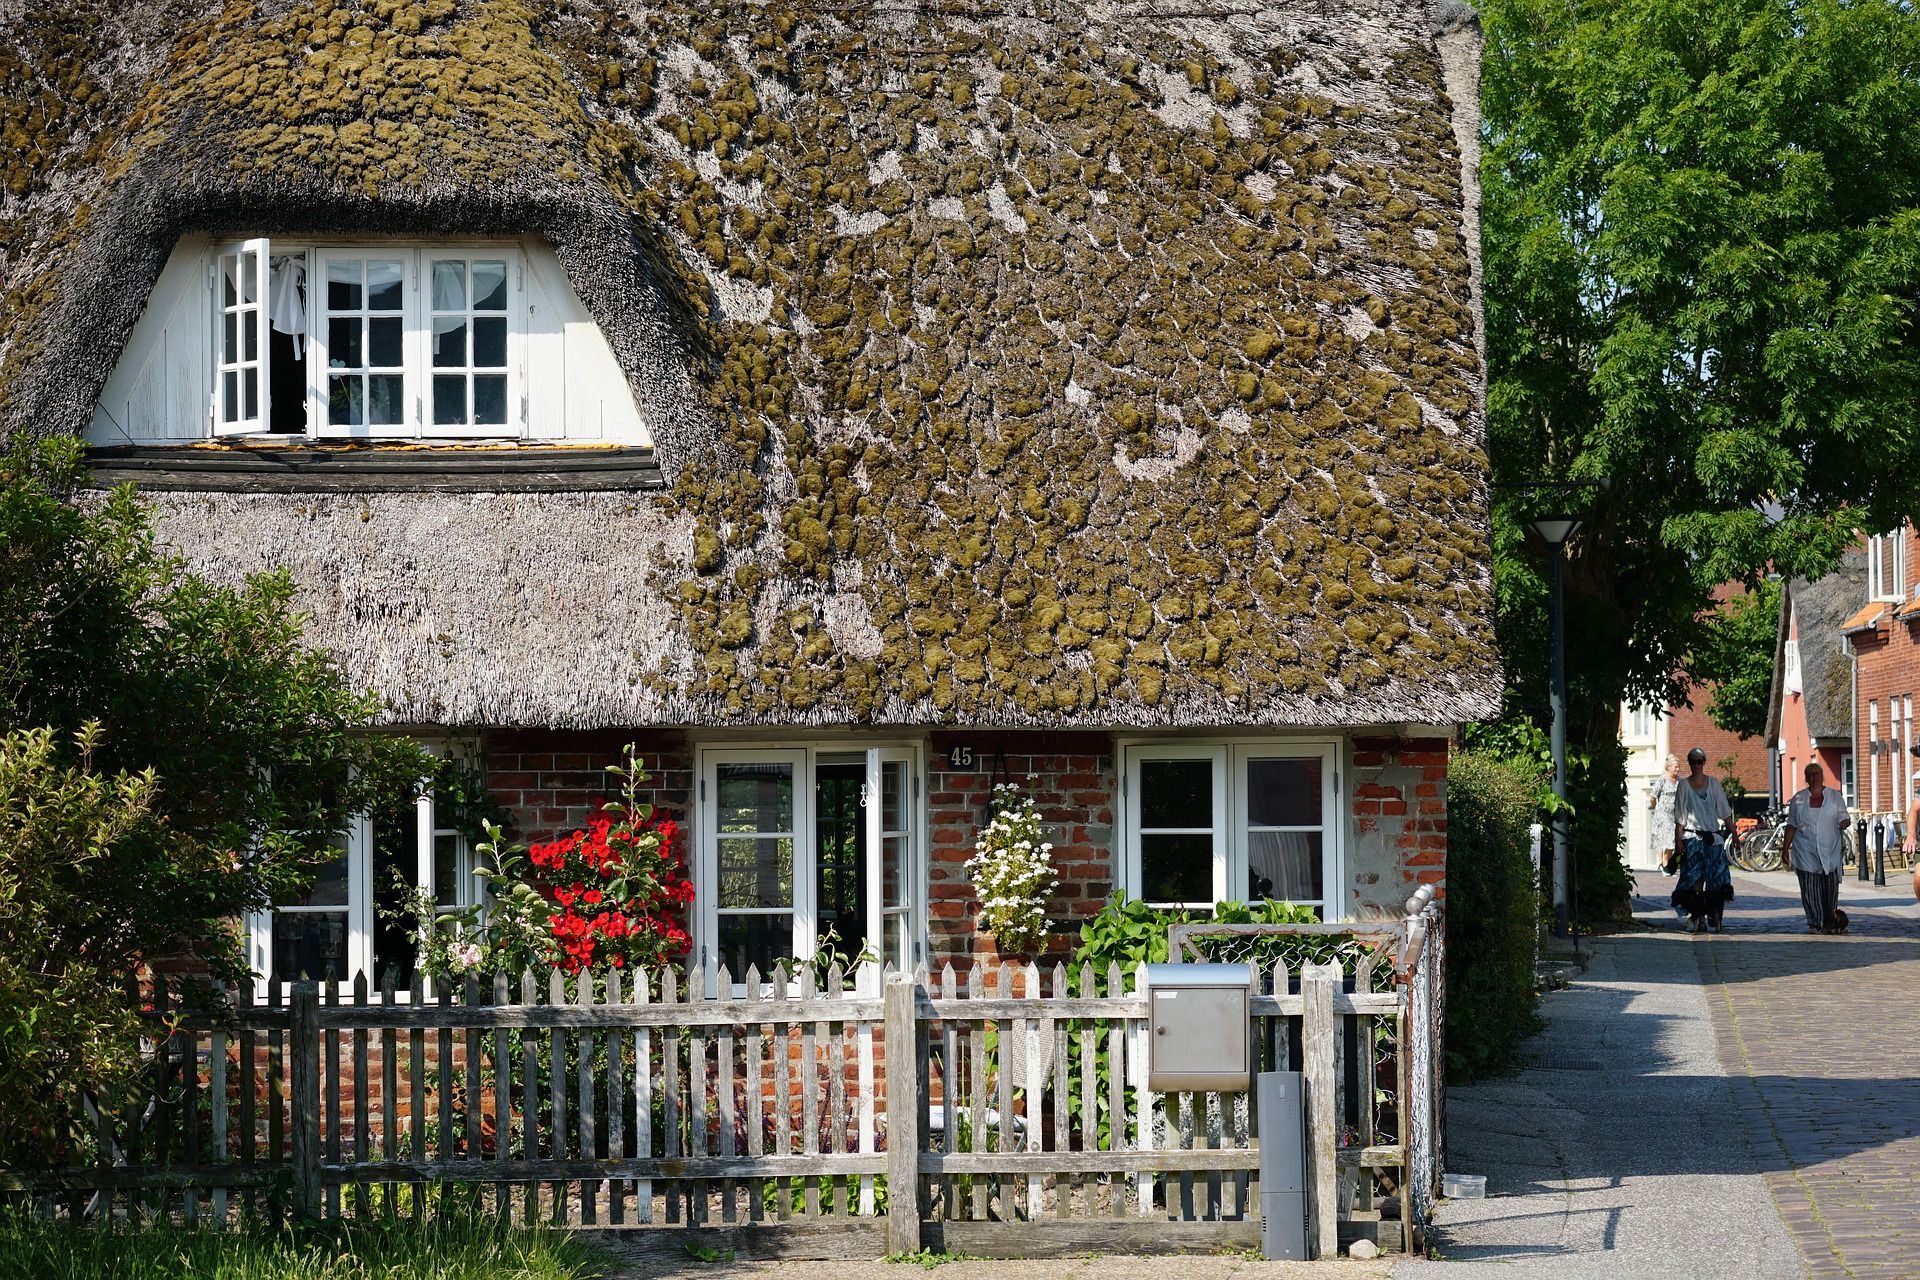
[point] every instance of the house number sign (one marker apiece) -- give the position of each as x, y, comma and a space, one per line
960, 756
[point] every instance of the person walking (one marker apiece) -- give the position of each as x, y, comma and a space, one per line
1660, 800
1701, 812
1816, 846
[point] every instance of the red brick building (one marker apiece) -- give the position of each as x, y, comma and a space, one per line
1810, 706
1884, 632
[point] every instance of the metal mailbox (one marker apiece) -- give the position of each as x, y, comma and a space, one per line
1198, 1027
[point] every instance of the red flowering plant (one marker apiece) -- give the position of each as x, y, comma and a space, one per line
621, 884
615, 894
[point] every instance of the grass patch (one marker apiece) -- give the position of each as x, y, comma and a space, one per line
448, 1249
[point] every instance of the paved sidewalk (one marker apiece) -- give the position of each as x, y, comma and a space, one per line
1619, 1153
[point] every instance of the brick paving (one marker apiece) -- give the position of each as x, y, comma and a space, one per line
1818, 1036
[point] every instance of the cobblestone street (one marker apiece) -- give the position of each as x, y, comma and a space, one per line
1740, 1105
1818, 1037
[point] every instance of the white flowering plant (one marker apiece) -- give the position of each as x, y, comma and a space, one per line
1013, 874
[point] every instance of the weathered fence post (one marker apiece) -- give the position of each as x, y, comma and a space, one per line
1317, 985
903, 1117
303, 1047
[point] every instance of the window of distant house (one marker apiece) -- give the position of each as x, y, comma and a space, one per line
1887, 566
1792, 663
389, 342
1209, 823
1640, 718
1847, 781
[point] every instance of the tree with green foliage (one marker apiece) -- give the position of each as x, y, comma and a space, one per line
1734, 659
171, 758
1702, 230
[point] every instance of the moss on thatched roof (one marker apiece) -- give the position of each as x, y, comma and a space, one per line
1035, 365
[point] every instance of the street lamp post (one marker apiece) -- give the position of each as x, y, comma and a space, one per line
1554, 531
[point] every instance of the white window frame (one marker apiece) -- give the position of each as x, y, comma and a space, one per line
1230, 829
361, 924
251, 321
806, 932
1873, 755
1848, 783
1887, 567
417, 318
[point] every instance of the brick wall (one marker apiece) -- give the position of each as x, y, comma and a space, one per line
1399, 807
1074, 785
1690, 726
1888, 671
553, 781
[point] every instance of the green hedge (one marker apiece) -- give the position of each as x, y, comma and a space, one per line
1493, 914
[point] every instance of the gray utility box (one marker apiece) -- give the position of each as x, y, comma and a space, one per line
1283, 1166
1198, 1022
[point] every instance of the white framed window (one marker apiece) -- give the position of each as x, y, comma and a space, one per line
803, 848
386, 341
1847, 781
339, 927
1887, 566
1790, 659
1641, 718
1873, 756
1214, 822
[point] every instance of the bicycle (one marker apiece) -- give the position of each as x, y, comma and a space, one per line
1762, 846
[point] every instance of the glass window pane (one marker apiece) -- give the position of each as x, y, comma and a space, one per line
383, 342
449, 286
490, 399
1176, 868
893, 785
230, 396
343, 285
756, 872
1285, 865
343, 342
383, 285
1283, 792
749, 941
249, 277
450, 342
450, 398
490, 286
384, 399
229, 292
346, 401
1176, 793
230, 338
754, 797
329, 888
309, 944
250, 378
893, 872
446, 868
490, 343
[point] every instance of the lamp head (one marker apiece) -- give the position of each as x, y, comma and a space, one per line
1555, 530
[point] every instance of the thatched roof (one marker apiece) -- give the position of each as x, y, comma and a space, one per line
1821, 609
1049, 365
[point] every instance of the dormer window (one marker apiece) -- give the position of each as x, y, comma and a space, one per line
316, 340
375, 343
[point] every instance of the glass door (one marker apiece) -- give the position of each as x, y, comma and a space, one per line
754, 884
893, 781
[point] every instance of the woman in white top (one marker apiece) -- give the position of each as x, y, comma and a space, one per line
1701, 812
1816, 846
1665, 788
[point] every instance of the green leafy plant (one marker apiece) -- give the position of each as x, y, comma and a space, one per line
176, 757
927, 1258
1493, 914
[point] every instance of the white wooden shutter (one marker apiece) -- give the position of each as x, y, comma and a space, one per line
240, 338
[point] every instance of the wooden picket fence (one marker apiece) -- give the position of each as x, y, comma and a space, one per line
772, 1117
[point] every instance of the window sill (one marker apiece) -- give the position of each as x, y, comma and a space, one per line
325, 468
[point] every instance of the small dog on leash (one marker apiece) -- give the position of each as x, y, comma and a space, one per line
1837, 922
